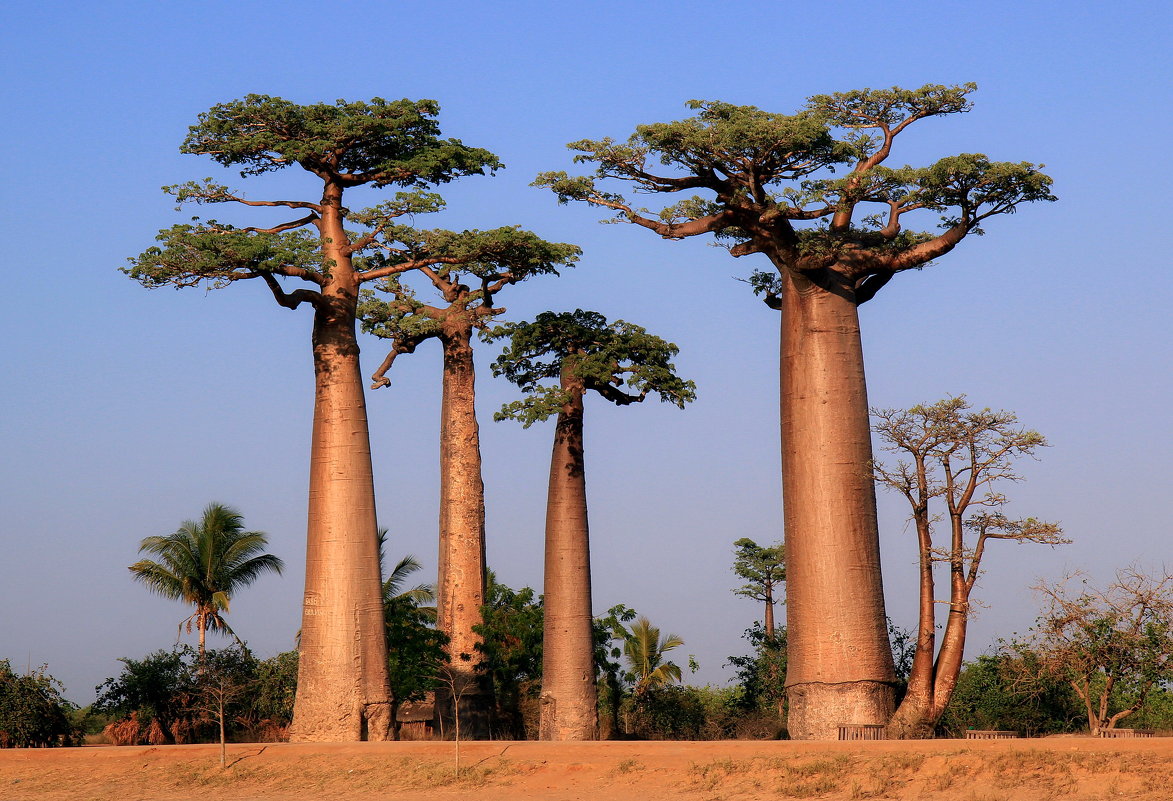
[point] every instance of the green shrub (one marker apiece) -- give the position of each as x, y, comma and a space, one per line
32, 711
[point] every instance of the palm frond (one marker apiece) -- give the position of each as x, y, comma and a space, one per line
204, 563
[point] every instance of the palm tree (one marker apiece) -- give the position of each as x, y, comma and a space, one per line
644, 650
204, 563
421, 596
415, 649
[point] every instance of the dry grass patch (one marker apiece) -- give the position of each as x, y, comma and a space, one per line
627, 766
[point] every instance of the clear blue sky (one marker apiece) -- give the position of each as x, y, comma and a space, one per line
126, 411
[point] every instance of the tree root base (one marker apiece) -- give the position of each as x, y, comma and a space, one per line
817, 710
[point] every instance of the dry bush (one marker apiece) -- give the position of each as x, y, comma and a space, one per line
155, 733
127, 731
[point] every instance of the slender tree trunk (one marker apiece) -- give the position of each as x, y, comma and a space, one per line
202, 626
840, 663
223, 738
769, 621
461, 585
569, 699
914, 718
342, 683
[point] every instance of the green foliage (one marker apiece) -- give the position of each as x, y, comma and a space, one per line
274, 689
609, 633
345, 145
1112, 645
903, 642
183, 691
467, 269
868, 109
762, 568
505, 253
1005, 692
761, 674
224, 684
415, 649
512, 653
216, 255
204, 563
809, 189
619, 360
1157, 712
32, 711
643, 650
379, 142
669, 712
686, 712
159, 687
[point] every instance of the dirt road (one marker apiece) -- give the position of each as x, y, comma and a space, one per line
945, 770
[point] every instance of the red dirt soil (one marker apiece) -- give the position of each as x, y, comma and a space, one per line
952, 770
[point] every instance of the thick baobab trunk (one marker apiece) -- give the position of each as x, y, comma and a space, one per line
461, 585
569, 700
840, 664
342, 686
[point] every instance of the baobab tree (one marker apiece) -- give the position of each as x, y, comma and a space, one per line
952, 456
342, 691
764, 571
556, 360
833, 240
468, 269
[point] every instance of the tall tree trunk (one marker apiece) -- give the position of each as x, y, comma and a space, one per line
461, 584
769, 621
342, 684
569, 700
840, 664
949, 660
914, 718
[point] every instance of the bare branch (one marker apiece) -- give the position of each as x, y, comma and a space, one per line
290, 300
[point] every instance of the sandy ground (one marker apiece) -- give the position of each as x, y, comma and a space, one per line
952, 770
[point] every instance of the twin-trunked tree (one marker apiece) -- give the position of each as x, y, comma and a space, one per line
467, 269
556, 360
342, 676
952, 456
833, 239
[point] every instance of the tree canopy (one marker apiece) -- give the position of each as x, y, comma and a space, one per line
619, 360
762, 568
204, 563
347, 144
812, 189
1113, 644
467, 269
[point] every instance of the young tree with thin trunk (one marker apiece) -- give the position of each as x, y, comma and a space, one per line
764, 571
1114, 645
833, 240
222, 679
342, 675
953, 456
468, 270
580, 351
203, 564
